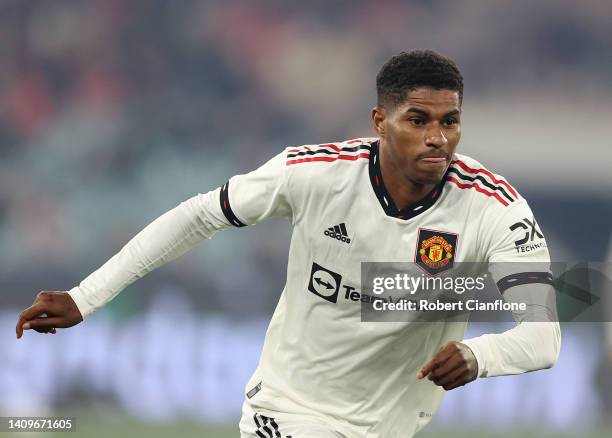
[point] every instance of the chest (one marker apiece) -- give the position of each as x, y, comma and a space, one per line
346, 230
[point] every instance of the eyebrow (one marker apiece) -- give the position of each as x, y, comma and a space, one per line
425, 113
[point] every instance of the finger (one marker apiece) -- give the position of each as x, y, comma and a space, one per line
44, 330
451, 377
454, 362
33, 311
459, 381
438, 359
43, 325
432, 364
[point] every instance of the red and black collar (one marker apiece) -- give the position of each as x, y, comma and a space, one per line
385, 199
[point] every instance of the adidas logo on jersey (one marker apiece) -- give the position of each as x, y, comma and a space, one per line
338, 232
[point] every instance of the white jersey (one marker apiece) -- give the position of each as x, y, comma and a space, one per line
318, 358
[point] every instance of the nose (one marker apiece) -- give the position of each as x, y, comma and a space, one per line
434, 137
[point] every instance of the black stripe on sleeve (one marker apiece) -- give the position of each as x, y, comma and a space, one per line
227, 209
524, 278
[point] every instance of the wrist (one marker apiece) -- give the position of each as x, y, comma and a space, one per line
79, 299
473, 347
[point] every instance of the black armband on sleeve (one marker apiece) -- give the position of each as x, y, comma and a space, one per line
524, 278
227, 209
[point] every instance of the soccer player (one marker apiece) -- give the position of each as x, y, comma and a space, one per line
323, 372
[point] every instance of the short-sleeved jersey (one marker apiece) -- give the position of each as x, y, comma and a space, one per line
318, 357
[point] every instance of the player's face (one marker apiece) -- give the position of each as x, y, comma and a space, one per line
419, 136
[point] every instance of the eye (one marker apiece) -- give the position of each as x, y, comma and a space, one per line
451, 122
417, 121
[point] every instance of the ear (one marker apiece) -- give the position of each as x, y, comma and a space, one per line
378, 119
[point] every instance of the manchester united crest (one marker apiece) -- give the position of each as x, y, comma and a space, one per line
435, 250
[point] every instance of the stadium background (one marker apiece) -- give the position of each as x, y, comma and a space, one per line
112, 112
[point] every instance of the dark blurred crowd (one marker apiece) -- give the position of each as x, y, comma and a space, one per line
199, 72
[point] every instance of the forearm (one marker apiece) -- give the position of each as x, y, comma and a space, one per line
168, 237
527, 347
532, 345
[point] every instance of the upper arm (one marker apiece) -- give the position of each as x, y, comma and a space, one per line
249, 198
519, 262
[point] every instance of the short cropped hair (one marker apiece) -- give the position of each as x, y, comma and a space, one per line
407, 71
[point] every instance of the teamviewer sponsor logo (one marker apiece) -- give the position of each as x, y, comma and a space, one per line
328, 285
338, 232
324, 283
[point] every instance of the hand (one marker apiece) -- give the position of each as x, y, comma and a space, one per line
452, 366
49, 311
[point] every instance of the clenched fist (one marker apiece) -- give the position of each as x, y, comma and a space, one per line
49, 311
452, 366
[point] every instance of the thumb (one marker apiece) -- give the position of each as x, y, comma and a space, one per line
435, 361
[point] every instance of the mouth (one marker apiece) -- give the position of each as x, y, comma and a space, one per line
435, 159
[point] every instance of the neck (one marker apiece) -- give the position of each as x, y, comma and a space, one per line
401, 188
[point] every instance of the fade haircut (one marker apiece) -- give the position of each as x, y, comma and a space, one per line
408, 71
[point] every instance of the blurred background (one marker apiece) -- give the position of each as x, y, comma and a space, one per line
114, 111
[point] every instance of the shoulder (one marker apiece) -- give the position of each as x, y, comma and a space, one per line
329, 155
321, 165
468, 177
